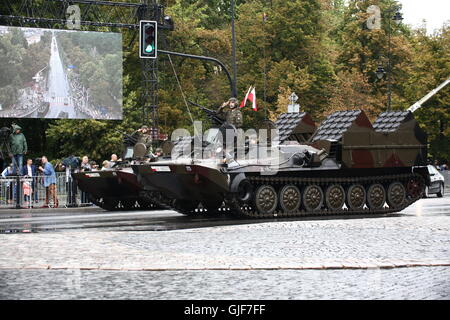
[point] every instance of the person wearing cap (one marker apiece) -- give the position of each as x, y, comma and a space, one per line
230, 112
144, 137
18, 146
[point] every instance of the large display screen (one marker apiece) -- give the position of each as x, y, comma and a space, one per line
47, 73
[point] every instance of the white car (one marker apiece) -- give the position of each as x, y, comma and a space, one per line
437, 183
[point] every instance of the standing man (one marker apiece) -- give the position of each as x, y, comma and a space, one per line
113, 160
143, 144
49, 182
230, 112
18, 146
85, 167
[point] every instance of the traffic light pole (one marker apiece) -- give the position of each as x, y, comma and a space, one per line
150, 75
232, 84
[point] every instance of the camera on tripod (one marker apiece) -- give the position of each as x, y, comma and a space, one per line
38, 162
5, 150
5, 132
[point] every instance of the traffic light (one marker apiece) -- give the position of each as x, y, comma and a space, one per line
148, 39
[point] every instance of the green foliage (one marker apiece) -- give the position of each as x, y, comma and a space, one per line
19, 62
320, 49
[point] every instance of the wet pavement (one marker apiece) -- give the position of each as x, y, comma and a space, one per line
88, 253
92, 217
403, 283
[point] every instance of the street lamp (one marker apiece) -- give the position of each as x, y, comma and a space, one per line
397, 18
380, 72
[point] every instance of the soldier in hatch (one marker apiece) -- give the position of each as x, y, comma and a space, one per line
230, 112
142, 138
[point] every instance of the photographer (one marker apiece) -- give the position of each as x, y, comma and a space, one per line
18, 146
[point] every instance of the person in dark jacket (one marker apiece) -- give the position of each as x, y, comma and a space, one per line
18, 146
29, 170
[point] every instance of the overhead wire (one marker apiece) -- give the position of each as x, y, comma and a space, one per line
181, 89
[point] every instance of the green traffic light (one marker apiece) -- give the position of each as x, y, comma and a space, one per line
149, 48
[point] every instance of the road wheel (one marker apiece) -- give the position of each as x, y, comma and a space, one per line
356, 197
335, 197
396, 195
266, 199
245, 192
376, 196
312, 197
440, 194
290, 198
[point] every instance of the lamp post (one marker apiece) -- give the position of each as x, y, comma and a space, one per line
233, 49
397, 18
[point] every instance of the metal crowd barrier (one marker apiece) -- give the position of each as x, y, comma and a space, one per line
29, 192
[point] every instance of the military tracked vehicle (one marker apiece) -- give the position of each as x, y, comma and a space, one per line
117, 188
346, 165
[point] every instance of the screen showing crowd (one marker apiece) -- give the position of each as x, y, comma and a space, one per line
46, 73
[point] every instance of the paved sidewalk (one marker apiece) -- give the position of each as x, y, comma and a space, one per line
348, 243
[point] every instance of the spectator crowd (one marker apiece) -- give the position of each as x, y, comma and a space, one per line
23, 176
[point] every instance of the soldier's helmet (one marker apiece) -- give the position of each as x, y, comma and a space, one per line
234, 101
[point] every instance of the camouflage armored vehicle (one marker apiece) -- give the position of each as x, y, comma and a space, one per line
346, 165
117, 188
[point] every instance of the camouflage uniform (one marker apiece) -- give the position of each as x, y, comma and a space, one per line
142, 139
231, 115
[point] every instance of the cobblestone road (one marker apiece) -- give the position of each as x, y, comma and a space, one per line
401, 283
256, 260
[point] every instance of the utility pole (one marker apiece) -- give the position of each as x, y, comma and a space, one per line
233, 40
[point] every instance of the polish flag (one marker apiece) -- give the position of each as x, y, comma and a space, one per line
251, 96
244, 102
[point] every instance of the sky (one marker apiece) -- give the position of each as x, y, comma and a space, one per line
435, 12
